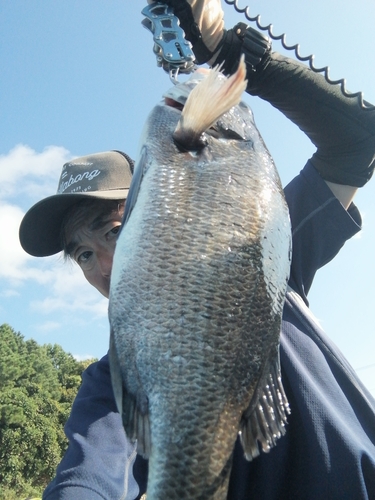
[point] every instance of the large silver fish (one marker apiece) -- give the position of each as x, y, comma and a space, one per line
197, 291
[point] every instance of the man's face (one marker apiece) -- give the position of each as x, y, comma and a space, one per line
92, 244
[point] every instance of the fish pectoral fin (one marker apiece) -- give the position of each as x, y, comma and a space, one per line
264, 421
135, 418
133, 409
116, 377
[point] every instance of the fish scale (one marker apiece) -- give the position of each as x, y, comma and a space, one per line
197, 290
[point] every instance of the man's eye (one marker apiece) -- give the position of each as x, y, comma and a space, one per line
114, 231
83, 257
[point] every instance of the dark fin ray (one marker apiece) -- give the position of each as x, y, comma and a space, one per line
264, 423
134, 410
115, 371
136, 422
143, 432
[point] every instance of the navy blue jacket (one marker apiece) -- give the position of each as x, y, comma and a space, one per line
328, 450
329, 447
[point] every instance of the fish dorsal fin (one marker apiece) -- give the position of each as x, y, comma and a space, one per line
264, 422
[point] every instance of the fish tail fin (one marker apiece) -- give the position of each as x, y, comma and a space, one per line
265, 421
210, 99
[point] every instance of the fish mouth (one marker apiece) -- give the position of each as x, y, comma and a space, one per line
171, 103
176, 96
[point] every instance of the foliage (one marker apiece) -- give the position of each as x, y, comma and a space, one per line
37, 388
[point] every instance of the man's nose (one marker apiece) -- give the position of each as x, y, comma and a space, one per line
105, 261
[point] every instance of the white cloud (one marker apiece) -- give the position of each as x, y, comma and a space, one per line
70, 292
29, 175
83, 357
48, 326
13, 258
9, 293
16, 265
26, 177
69, 304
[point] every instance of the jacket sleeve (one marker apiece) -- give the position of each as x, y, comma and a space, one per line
99, 460
340, 127
344, 134
320, 226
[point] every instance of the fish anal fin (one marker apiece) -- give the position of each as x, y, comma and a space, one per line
265, 420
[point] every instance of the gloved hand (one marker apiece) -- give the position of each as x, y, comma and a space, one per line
203, 24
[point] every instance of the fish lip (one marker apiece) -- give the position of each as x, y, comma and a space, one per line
180, 92
176, 98
172, 103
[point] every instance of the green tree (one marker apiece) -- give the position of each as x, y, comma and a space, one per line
37, 388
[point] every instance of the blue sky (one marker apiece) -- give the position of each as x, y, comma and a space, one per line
79, 76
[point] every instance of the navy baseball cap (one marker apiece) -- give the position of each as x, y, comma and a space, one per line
104, 175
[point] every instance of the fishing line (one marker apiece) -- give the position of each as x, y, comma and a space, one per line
365, 367
310, 59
